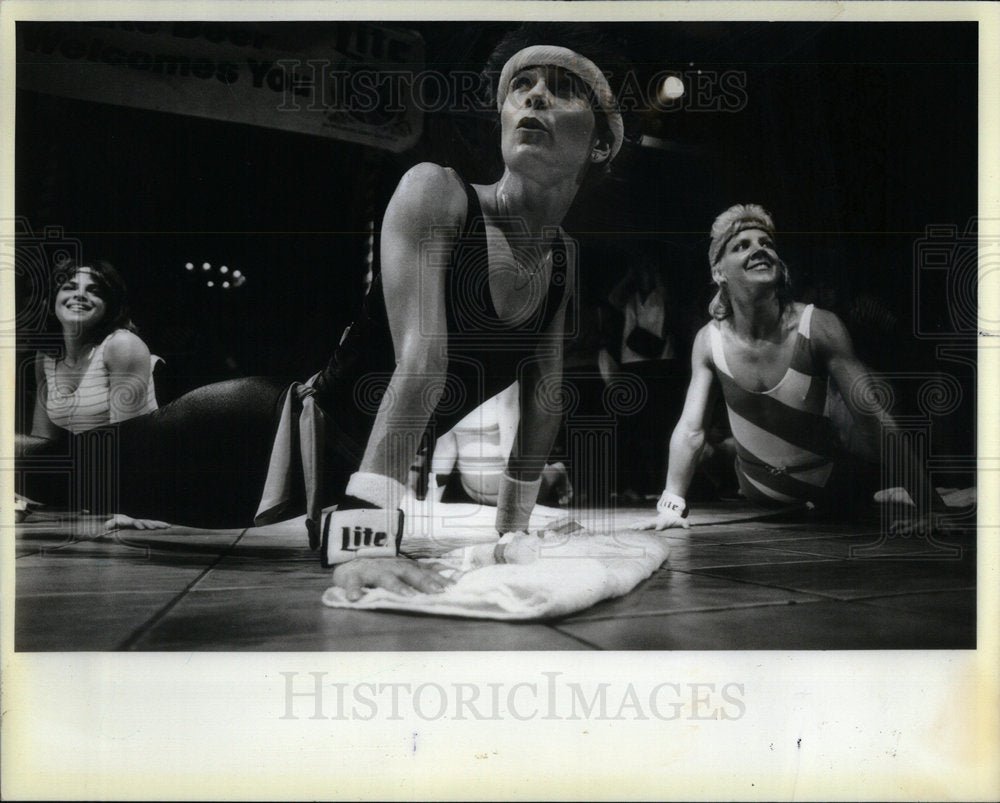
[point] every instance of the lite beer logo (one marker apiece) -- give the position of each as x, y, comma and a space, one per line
350, 534
357, 538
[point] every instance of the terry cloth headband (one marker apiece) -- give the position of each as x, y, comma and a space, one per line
584, 68
750, 220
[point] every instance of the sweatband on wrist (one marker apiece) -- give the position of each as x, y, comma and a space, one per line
436, 486
359, 533
377, 489
672, 502
515, 501
501, 545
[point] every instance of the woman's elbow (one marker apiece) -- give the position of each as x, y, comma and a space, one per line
687, 438
423, 361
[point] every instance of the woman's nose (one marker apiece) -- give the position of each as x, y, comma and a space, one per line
537, 97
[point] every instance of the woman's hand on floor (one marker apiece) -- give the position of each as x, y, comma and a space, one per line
663, 521
120, 521
910, 524
399, 574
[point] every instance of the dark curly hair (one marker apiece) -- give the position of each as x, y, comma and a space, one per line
112, 289
586, 39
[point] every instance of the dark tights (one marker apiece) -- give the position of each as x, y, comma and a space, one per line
200, 460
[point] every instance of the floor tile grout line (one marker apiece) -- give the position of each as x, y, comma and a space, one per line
708, 573
750, 606
708, 609
157, 617
103, 594
561, 632
806, 559
825, 594
913, 593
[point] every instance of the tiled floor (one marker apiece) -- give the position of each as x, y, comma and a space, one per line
730, 583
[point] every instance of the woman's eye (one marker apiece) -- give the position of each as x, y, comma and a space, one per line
568, 86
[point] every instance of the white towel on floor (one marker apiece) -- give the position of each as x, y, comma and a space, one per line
561, 570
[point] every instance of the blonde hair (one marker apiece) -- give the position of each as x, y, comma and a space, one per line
735, 219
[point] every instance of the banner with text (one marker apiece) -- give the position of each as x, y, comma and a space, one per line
351, 81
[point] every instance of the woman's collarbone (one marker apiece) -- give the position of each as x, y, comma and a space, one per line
69, 376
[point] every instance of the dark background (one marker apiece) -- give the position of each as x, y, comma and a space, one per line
856, 137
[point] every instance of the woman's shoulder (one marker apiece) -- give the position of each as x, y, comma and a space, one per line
44, 364
432, 193
702, 346
123, 346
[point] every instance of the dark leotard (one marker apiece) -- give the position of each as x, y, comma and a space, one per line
485, 354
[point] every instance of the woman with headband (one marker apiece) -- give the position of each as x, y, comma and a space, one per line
473, 290
471, 297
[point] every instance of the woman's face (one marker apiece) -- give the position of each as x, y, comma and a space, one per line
749, 258
547, 121
80, 303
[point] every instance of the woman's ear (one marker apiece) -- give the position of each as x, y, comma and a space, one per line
600, 152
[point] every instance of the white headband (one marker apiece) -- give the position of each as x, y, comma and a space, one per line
584, 68
733, 221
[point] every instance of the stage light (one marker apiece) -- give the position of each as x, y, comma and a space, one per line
223, 269
189, 265
236, 274
210, 283
225, 285
671, 89
206, 265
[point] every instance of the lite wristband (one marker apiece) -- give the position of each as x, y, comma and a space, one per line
673, 503
371, 532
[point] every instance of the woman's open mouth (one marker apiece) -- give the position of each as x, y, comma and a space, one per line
531, 124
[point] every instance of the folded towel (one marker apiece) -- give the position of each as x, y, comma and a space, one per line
553, 572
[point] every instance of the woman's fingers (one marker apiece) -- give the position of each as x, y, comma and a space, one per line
399, 575
662, 523
390, 582
424, 579
150, 524
351, 582
122, 522
439, 568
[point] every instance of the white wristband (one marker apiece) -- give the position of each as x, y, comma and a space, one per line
376, 489
515, 501
672, 502
360, 533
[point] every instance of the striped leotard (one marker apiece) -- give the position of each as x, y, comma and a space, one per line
90, 404
784, 443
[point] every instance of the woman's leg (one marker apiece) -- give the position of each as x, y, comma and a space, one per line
200, 460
